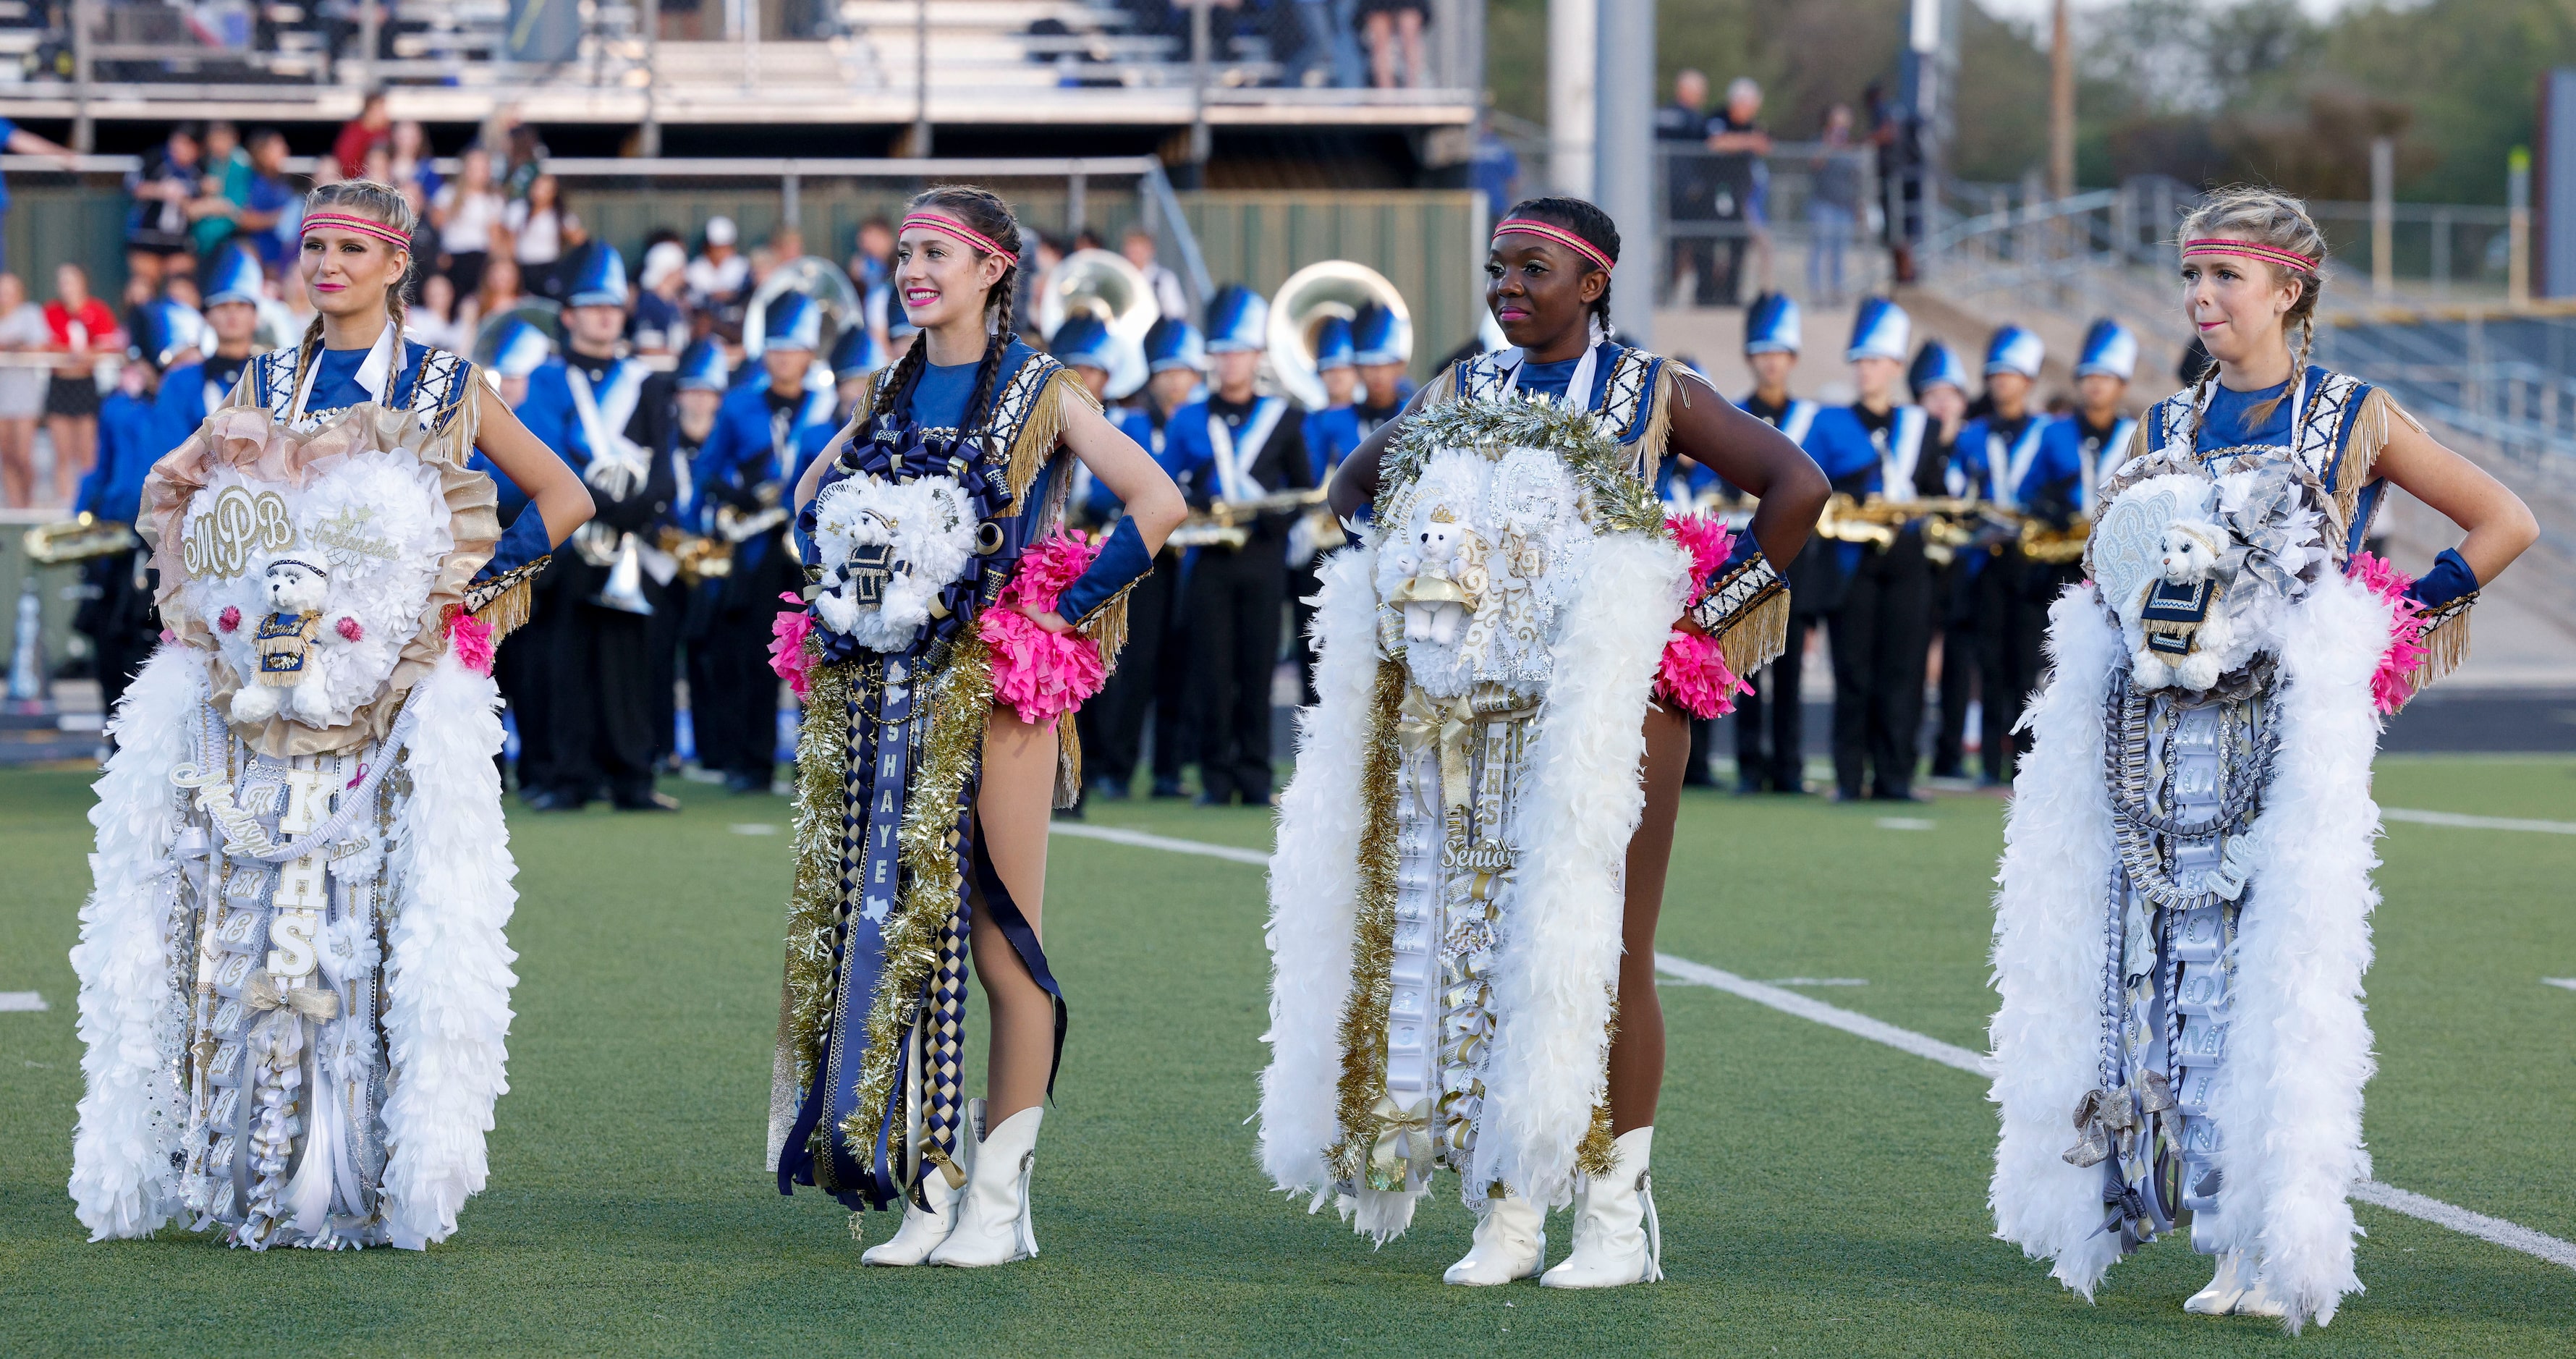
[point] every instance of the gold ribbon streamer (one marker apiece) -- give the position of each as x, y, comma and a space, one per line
263, 993
1398, 1127
1422, 722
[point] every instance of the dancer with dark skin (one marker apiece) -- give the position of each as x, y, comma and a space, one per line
1542, 292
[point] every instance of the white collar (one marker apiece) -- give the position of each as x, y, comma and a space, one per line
375, 372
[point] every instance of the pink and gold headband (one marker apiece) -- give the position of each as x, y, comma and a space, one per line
2252, 250
1531, 227
931, 221
365, 226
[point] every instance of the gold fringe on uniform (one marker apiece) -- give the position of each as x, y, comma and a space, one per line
1363, 1030
502, 603
1068, 762
1758, 638
1659, 419
1106, 624
1043, 428
2445, 641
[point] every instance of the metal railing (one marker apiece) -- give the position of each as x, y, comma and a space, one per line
1781, 217
2509, 382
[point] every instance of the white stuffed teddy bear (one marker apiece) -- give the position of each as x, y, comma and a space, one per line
2184, 605
1435, 604
291, 639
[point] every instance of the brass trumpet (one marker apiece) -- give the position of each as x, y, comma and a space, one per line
701, 557
1226, 523
81, 539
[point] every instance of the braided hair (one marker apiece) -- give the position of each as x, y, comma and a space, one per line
2266, 217
377, 203
1584, 220
985, 211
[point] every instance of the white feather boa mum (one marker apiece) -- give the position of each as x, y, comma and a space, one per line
1314, 883
1556, 975
122, 1185
2288, 1101
447, 975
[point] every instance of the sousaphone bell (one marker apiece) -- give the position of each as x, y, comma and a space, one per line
1311, 296
1102, 284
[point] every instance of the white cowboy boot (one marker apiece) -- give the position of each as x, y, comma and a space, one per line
1511, 1243
2225, 1287
2260, 1301
923, 1228
1616, 1239
993, 1219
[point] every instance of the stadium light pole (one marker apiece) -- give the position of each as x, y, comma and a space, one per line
1571, 40
1624, 149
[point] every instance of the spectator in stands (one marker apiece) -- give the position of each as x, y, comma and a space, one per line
22, 392
661, 323
1833, 208
156, 225
434, 320
1681, 132
268, 203
1389, 23
499, 293
526, 160
1138, 246
1331, 53
373, 127
14, 138
719, 274
681, 21
79, 328
1493, 167
466, 213
223, 186
538, 226
412, 170
1736, 175
872, 270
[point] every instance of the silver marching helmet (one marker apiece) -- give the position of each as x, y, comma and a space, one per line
1311, 296
536, 311
1101, 283
824, 283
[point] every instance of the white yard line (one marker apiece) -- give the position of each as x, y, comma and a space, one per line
2505, 823
22, 1000
2567, 982
2496, 1230
756, 828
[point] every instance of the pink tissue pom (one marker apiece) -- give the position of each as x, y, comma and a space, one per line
788, 658
1693, 674
1042, 675
350, 631
471, 639
229, 620
2392, 684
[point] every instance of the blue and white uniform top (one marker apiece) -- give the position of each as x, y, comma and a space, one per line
304, 396
2075, 459
1620, 386
2000, 458
2332, 427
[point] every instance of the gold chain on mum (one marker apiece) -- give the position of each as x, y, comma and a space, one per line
812, 903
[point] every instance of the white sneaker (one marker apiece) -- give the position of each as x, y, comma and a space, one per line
1616, 1238
1511, 1243
2225, 1287
993, 1219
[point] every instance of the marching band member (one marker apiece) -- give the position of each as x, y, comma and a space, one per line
1940, 385
2077, 455
684, 632
741, 475
520, 351
115, 613
1381, 346
1471, 859
1768, 750
1331, 434
195, 389
952, 626
1237, 444
2183, 919
1999, 450
1877, 451
294, 970
856, 357
589, 648
1154, 671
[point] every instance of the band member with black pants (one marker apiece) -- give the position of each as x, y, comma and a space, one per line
1238, 445
1769, 756
1999, 451
1940, 386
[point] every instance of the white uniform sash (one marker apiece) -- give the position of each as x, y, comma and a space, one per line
1896, 462
2005, 467
2095, 465
1234, 466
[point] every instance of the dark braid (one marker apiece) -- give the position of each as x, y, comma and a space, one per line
1584, 220
985, 211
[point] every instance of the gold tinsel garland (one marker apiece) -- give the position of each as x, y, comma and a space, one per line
806, 996
961, 702
1363, 1030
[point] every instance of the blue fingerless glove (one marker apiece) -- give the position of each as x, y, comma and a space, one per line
1123, 561
2449, 579
524, 541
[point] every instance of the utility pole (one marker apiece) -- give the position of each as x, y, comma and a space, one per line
648, 140
1202, 142
1624, 163
2061, 104
921, 77
2383, 217
1572, 30
2517, 197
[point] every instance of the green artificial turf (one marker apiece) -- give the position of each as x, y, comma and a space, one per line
1819, 1194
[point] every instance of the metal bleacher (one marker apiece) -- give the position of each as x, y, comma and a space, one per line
991, 62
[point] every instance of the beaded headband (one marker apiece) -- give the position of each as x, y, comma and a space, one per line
365, 226
1531, 227
931, 221
2252, 250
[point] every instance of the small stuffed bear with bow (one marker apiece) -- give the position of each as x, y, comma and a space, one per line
293, 671
1435, 604
2182, 607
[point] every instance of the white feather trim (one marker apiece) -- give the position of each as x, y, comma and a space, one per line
1556, 973
121, 1183
2049, 953
2288, 1101
447, 975
1314, 884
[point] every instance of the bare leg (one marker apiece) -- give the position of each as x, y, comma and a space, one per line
75, 448
1014, 806
1380, 32
17, 461
1408, 24
1637, 1049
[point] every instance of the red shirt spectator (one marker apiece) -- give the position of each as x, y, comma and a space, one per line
98, 324
373, 127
